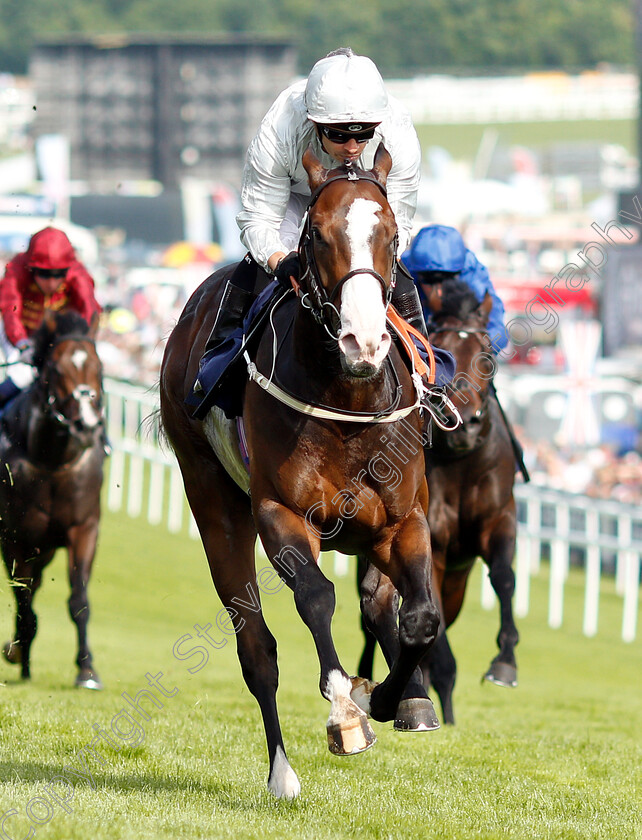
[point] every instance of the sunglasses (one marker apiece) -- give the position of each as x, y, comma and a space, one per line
54, 273
336, 135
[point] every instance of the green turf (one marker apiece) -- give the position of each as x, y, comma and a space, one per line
558, 757
462, 141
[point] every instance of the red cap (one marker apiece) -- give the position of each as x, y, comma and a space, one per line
50, 249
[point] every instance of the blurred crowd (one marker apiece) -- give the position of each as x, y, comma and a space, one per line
600, 472
141, 309
136, 322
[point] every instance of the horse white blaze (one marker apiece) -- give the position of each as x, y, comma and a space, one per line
283, 781
82, 393
78, 358
363, 337
88, 414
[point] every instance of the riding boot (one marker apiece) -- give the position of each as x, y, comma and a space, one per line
235, 305
8, 390
405, 299
238, 296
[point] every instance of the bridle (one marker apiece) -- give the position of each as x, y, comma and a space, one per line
463, 332
483, 338
313, 294
53, 407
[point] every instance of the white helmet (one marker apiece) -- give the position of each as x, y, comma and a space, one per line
345, 88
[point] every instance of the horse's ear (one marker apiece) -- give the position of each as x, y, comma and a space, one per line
93, 325
486, 305
317, 173
435, 298
382, 164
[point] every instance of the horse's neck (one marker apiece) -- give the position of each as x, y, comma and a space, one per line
46, 442
309, 365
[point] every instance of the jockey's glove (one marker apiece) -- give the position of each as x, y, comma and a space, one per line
25, 346
288, 267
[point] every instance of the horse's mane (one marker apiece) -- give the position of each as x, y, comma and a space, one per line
68, 322
458, 299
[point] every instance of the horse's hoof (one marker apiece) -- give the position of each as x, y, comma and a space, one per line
500, 673
416, 714
361, 691
88, 679
12, 653
352, 737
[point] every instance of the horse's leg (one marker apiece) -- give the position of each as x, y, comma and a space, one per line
409, 567
440, 666
81, 549
365, 668
228, 533
499, 557
380, 608
25, 580
287, 543
442, 673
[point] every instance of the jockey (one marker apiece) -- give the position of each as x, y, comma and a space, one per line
437, 253
46, 276
344, 111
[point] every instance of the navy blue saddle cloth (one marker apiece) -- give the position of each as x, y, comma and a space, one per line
220, 380
222, 372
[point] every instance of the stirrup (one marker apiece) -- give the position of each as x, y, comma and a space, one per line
436, 402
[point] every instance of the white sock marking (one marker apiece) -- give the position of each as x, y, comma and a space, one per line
283, 781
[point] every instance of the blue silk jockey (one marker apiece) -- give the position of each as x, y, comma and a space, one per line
438, 253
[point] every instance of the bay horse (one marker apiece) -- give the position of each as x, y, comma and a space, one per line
52, 452
471, 474
318, 476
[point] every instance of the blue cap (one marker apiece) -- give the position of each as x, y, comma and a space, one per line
436, 248
475, 273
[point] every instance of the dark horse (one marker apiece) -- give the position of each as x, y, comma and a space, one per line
471, 473
51, 448
318, 476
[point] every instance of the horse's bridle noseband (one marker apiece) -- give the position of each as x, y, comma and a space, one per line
314, 295
483, 337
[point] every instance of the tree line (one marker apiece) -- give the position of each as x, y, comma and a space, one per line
404, 37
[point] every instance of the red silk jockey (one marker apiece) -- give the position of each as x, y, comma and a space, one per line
46, 276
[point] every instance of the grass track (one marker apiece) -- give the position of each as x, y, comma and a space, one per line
559, 757
462, 141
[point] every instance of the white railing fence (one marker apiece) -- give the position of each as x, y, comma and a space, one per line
602, 537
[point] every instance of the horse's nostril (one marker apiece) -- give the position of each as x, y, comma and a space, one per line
349, 345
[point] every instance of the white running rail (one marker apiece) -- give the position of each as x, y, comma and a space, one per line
604, 537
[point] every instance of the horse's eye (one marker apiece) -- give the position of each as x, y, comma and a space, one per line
316, 235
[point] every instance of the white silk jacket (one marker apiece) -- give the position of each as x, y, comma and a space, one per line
275, 191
